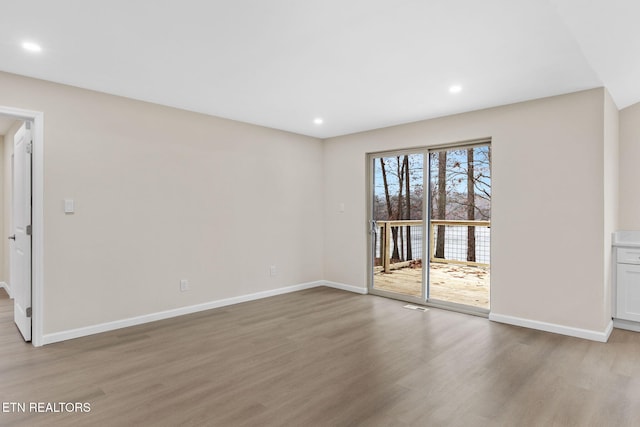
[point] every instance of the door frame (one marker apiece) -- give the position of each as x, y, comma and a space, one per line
450, 305
370, 167
37, 215
426, 218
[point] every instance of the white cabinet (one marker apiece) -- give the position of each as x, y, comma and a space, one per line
628, 255
626, 284
628, 291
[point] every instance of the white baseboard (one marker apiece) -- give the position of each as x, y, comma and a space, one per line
555, 328
607, 332
138, 320
350, 288
6, 287
626, 324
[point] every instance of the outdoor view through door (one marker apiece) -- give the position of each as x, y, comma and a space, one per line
453, 216
398, 228
460, 208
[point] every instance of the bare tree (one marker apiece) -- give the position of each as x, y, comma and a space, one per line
482, 182
442, 202
408, 203
398, 197
386, 188
458, 177
471, 207
399, 251
391, 215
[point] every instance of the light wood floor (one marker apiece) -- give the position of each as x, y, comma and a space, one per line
324, 357
447, 282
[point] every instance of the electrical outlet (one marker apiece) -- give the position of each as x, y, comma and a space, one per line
273, 270
184, 285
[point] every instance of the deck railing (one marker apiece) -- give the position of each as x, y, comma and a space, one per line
465, 242
399, 243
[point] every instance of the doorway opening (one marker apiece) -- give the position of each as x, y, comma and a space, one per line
23, 215
7, 127
430, 235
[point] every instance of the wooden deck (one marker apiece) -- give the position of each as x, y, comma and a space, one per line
449, 282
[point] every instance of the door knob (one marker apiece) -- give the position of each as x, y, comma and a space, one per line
12, 237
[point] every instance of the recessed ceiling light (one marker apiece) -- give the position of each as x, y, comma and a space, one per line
31, 47
318, 121
455, 89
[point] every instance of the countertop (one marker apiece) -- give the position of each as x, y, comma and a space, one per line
626, 239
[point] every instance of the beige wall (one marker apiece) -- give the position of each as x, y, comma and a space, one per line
629, 168
548, 220
163, 194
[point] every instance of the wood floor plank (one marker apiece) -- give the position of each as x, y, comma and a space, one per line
324, 357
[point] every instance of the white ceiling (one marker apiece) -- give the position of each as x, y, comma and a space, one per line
358, 64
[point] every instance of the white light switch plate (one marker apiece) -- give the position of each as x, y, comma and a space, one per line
69, 206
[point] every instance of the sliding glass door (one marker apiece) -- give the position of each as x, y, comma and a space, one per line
430, 226
460, 227
398, 233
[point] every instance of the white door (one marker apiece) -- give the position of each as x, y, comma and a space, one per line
20, 243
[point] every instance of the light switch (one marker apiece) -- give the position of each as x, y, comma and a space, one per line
69, 206
341, 207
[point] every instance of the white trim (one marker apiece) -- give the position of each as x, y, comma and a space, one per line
626, 325
608, 330
138, 320
37, 215
342, 286
6, 287
555, 328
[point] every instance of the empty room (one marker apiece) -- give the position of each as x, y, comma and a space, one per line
277, 213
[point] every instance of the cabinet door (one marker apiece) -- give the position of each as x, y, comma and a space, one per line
628, 292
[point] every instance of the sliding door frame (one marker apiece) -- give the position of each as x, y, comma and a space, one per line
370, 159
426, 225
449, 305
